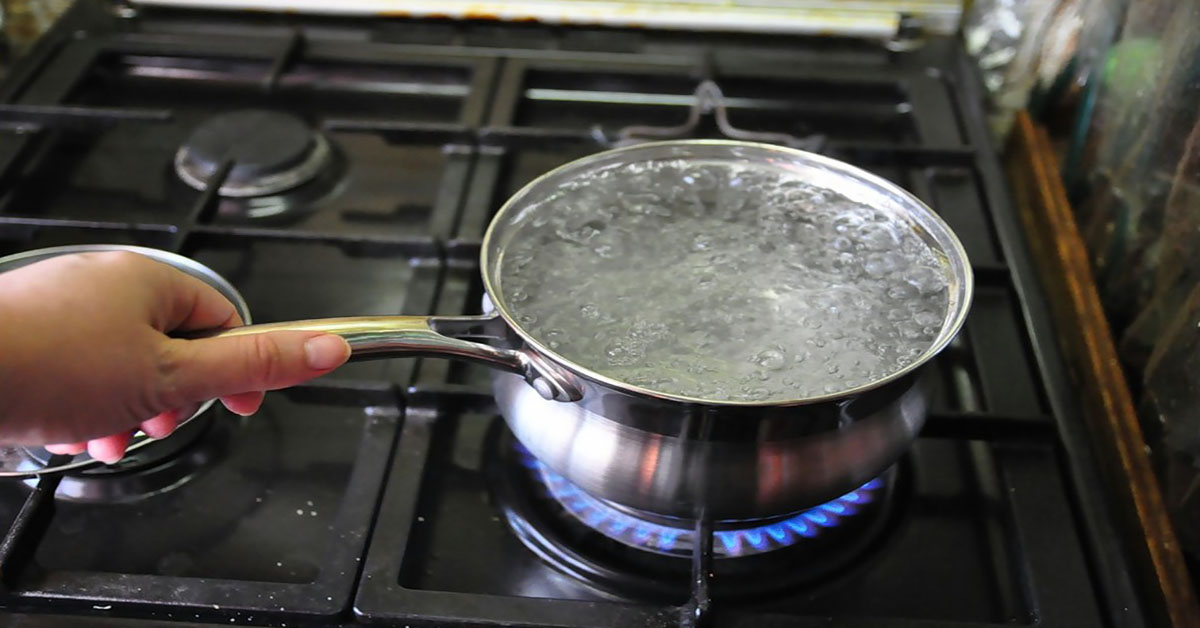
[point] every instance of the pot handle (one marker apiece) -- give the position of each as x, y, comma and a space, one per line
400, 336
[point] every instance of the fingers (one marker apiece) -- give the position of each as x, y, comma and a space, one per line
162, 425
109, 449
196, 370
69, 449
244, 404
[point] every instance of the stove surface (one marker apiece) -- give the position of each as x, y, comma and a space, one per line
389, 492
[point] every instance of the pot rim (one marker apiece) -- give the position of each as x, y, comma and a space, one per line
948, 243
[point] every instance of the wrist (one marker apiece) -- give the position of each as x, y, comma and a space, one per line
13, 353
7, 376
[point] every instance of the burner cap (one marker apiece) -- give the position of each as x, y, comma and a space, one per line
271, 151
158, 467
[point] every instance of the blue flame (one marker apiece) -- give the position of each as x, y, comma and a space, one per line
816, 516
650, 535
778, 532
730, 541
837, 508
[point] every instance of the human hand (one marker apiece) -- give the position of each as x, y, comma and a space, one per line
85, 355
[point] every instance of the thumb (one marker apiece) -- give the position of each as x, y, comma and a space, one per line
218, 367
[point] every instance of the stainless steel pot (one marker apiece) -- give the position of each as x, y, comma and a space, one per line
667, 454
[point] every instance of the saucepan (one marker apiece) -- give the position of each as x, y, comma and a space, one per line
675, 455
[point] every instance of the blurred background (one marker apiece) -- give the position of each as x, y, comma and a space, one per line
1117, 84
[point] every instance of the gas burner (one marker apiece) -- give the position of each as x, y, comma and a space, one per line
677, 537
646, 555
270, 151
158, 467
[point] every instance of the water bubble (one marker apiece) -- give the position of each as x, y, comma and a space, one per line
554, 337
700, 179
878, 265
847, 222
581, 231
754, 393
925, 317
623, 353
771, 359
606, 250
927, 280
641, 203
902, 292
518, 258
877, 237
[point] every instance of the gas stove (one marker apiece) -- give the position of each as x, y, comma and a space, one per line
332, 166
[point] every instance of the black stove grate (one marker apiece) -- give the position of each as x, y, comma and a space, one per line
195, 552
436, 124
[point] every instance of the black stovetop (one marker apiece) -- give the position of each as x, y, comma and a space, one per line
371, 495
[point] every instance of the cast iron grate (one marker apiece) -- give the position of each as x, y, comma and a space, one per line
1002, 474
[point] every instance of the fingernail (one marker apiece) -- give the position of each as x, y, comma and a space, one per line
105, 455
326, 352
240, 412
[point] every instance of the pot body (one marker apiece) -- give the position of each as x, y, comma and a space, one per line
690, 458
725, 463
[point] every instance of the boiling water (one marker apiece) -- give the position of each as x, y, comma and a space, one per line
728, 283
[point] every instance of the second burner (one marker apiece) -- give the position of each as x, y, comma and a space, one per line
270, 151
